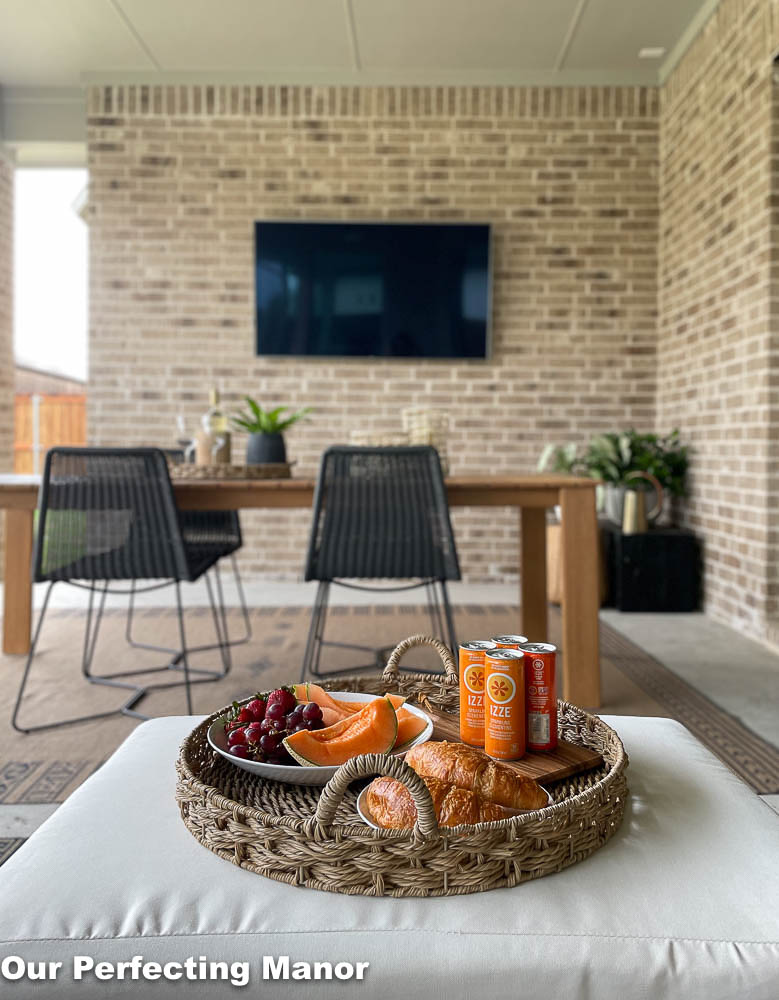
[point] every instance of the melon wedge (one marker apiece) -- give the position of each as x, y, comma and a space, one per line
409, 727
372, 730
313, 692
356, 706
330, 716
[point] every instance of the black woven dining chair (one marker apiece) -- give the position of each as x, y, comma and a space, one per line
379, 514
107, 516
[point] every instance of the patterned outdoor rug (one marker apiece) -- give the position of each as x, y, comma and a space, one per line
48, 766
749, 755
7, 847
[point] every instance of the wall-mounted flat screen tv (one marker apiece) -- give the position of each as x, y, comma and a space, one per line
389, 290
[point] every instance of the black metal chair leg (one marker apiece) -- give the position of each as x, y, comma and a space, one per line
220, 621
316, 651
434, 610
243, 605
219, 644
90, 639
449, 617
28, 664
312, 631
185, 658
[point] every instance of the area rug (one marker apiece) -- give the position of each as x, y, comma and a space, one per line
48, 766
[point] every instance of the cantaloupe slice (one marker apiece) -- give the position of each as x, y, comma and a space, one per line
373, 730
355, 706
313, 692
330, 716
409, 727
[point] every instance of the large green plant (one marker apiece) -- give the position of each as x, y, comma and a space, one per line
612, 456
256, 420
561, 458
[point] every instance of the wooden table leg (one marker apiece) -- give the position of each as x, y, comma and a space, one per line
532, 573
17, 581
580, 597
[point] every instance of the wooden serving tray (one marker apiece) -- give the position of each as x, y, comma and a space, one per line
566, 760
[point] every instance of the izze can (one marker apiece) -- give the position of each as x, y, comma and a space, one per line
472, 691
509, 641
541, 695
504, 704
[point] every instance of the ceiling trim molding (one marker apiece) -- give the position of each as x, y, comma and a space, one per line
688, 36
49, 155
300, 101
43, 117
386, 78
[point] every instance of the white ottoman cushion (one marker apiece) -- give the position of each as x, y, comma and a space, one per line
682, 902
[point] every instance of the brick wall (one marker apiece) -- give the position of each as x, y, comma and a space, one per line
717, 335
566, 177
6, 320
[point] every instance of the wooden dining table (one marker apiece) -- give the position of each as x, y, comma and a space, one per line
531, 495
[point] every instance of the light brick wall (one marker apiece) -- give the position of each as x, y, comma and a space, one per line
6, 321
717, 331
566, 177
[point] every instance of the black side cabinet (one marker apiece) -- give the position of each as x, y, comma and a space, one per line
658, 570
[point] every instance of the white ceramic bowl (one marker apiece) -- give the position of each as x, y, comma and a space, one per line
296, 775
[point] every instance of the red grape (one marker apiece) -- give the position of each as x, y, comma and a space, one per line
269, 742
271, 725
254, 732
280, 756
312, 724
236, 736
311, 711
239, 750
275, 710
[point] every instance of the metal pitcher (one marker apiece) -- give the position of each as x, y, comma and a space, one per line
634, 513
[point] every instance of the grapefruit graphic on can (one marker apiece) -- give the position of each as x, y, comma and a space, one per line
472, 691
504, 704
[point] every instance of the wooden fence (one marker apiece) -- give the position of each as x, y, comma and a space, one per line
41, 422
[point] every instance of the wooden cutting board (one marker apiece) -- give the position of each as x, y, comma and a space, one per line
567, 759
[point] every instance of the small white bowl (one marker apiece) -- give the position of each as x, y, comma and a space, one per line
296, 775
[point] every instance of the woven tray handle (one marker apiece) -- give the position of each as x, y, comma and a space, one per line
365, 766
391, 670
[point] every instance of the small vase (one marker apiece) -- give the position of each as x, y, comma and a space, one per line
264, 448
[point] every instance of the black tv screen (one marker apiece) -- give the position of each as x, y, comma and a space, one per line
392, 290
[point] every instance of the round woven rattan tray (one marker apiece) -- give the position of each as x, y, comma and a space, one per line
267, 470
314, 837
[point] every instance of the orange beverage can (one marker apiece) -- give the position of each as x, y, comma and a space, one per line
472, 690
509, 641
504, 704
541, 695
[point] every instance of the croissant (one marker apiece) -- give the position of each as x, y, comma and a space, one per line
470, 768
392, 805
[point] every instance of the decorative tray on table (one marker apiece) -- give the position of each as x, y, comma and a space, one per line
266, 470
315, 837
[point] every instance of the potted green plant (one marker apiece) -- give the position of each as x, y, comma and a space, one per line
612, 457
266, 430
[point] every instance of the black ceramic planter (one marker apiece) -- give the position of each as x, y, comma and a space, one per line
264, 448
